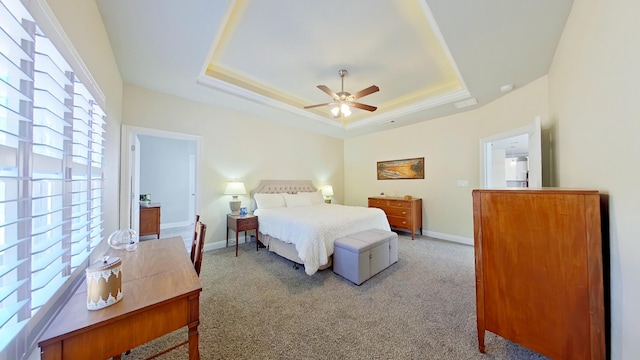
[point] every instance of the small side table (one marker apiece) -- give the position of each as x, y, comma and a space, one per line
150, 220
239, 223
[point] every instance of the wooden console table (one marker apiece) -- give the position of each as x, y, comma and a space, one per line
160, 294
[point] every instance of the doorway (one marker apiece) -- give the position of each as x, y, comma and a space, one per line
176, 211
512, 158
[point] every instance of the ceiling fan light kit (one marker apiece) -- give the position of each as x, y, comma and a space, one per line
343, 100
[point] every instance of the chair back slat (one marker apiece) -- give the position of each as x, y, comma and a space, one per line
193, 243
201, 230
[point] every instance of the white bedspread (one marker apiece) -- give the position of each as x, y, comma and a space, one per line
314, 229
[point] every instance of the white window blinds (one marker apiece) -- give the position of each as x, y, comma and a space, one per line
51, 146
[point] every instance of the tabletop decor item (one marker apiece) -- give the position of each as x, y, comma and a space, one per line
145, 199
123, 240
104, 283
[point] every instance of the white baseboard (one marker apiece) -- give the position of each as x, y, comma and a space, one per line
448, 237
223, 243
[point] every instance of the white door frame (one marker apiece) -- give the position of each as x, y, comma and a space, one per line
134, 199
535, 153
128, 136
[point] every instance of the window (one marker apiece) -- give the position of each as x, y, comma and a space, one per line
51, 151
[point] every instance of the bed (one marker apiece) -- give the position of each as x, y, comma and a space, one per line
298, 225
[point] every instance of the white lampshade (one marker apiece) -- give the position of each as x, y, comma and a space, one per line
235, 188
327, 190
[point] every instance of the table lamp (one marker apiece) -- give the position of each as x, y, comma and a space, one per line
327, 192
235, 188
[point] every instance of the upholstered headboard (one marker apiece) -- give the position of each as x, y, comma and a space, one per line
283, 186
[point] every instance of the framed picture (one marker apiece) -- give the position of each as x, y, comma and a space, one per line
401, 169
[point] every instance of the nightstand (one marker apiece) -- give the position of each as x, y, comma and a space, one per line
239, 223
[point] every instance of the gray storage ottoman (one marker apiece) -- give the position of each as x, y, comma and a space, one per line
357, 257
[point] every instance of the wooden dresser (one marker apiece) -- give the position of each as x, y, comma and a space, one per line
150, 220
539, 275
402, 214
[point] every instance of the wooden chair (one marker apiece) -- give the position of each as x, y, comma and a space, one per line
198, 246
193, 243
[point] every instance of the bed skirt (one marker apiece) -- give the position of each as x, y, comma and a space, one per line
287, 250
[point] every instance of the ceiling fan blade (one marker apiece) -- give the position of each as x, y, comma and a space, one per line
329, 92
364, 92
363, 106
317, 105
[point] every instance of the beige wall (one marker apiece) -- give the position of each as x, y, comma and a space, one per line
595, 112
236, 145
83, 25
450, 146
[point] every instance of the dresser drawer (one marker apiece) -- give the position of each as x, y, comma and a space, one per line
377, 203
390, 203
400, 222
399, 212
399, 204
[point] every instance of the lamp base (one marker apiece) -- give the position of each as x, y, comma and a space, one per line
234, 205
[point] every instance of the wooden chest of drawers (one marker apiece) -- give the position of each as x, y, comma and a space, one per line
150, 220
401, 213
539, 272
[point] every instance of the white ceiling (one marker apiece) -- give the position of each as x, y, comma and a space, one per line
267, 57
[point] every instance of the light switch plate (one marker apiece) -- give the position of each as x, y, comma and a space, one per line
463, 183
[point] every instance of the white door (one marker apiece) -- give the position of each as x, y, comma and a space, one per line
192, 187
488, 151
134, 170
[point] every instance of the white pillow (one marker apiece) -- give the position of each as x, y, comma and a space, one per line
315, 196
297, 200
269, 201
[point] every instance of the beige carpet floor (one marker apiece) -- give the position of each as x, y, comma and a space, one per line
256, 306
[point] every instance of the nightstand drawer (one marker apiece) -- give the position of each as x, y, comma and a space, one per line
247, 224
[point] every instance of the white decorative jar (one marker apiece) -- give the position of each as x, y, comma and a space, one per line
104, 283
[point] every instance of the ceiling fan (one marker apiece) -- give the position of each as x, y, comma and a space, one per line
344, 100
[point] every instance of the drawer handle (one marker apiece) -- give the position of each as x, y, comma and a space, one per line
404, 222
404, 213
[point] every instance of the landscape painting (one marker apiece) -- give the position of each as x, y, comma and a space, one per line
401, 169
